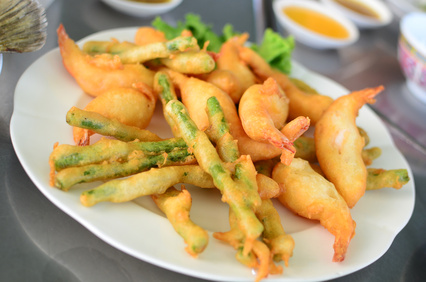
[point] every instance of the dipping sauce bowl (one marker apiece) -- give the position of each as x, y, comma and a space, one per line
363, 13
315, 24
412, 53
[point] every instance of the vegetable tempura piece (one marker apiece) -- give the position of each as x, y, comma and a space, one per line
259, 257
176, 205
190, 62
153, 181
133, 106
180, 54
97, 74
310, 195
380, 178
219, 133
339, 144
163, 86
242, 199
280, 243
136, 163
370, 154
305, 149
132, 53
109, 150
108, 127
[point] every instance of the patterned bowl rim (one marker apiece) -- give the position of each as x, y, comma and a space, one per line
406, 33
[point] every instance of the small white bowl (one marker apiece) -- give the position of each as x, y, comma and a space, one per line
362, 21
412, 53
311, 38
400, 8
140, 9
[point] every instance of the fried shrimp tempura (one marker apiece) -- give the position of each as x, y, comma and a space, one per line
301, 103
339, 145
229, 60
97, 74
263, 111
308, 194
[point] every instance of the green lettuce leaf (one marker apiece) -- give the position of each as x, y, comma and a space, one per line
201, 31
276, 50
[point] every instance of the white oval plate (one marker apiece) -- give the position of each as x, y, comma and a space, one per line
138, 228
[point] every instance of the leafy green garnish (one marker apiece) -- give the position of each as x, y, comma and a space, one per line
276, 50
201, 31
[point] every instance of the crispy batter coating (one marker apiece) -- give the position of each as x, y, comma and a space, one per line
310, 195
339, 145
311, 105
176, 205
133, 106
230, 60
97, 74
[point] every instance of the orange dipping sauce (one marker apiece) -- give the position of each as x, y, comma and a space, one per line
316, 22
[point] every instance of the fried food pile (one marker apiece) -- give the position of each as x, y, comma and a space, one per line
239, 126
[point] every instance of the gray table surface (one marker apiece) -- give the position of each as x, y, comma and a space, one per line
39, 242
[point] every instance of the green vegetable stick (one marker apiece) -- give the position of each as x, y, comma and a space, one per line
380, 178
176, 205
190, 62
68, 177
219, 132
235, 238
131, 53
305, 149
370, 154
107, 127
65, 155
165, 90
265, 167
111, 47
280, 243
153, 181
210, 161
